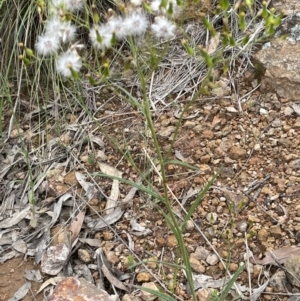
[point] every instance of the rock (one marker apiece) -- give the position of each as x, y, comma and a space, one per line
143, 277
189, 225
263, 111
84, 255
172, 241
293, 189
276, 231
71, 288
112, 258
160, 241
203, 294
205, 159
196, 265
288, 111
233, 267
242, 226
148, 296
262, 235
152, 263
257, 270
189, 124
128, 297
278, 281
289, 7
281, 75
166, 132
295, 164
237, 153
207, 134
201, 253
293, 266
212, 259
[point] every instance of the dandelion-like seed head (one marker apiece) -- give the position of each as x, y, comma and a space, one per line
101, 36
67, 62
136, 2
69, 5
135, 23
156, 7
115, 24
65, 30
47, 45
74, 5
163, 28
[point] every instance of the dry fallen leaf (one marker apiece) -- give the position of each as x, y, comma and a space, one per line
276, 256
76, 226
213, 43
115, 191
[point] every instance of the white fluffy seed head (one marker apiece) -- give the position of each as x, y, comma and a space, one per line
47, 45
69, 5
171, 6
135, 23
163, 28
65, 30
101, 36
136, 2
68, 61
115, 24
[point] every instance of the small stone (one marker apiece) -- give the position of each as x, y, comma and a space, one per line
143, 277
203, 294
205, 159
197, 266
276, 123
128, 297
201, 253
172, 241
212, 217
231, 109
167, 131
189, 225
84, 255
207, 134
257, 270
242, 226
263, 111
237, 153
293, 266
160, 241
276, 231
112, 258
189, 124
256, 147
288, 111
152, 263
262, 235
148, 296
233, 267
212, 259
295, 164
108, 235
278, 281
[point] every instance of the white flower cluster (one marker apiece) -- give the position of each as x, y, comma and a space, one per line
60, 33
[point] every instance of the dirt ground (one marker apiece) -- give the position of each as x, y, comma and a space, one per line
254, 202
12, 278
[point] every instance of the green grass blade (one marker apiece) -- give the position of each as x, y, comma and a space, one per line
158, 294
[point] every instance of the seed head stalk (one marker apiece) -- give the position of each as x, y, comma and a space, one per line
175, 225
